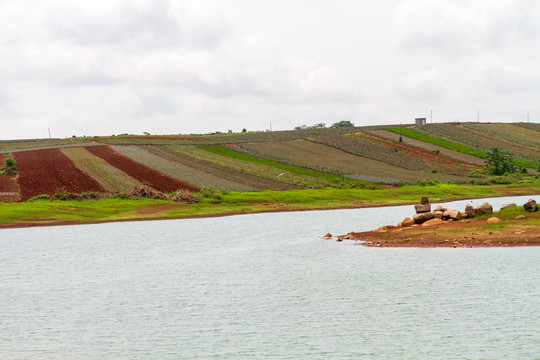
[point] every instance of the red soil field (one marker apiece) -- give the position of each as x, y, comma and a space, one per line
49, 171
150, 177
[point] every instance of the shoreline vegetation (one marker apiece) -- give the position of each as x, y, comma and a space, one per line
213, 203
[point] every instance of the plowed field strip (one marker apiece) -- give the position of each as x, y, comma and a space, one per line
48, 171
468, 139
175, 169
111, 178
149, 176
526, 133
287, 180
489, 136
458, 156
324, 155
205, 173
509, 135
412, 151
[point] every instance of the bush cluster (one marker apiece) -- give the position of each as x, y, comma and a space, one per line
9, 167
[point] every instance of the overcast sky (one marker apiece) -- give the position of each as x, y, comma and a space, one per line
170, 66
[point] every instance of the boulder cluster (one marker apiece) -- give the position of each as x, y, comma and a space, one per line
426, 216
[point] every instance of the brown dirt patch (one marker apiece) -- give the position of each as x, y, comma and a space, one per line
150, 177
49, 171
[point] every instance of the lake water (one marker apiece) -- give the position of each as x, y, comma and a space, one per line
262, 287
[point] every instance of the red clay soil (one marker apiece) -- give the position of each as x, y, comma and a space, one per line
414, 151
150, 177
49, 171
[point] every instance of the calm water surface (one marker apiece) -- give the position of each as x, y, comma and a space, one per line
261, 286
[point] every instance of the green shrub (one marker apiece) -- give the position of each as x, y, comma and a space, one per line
427, 182
39, 198
500, 180
10, 167
209, 192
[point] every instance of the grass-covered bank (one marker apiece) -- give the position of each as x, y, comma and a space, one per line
229, 203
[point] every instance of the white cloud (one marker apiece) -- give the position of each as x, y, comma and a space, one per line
425, 86
508, 78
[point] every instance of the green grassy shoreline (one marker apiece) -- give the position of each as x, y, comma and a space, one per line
44, 213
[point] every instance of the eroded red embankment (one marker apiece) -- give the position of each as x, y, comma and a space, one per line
149, 176
49, 171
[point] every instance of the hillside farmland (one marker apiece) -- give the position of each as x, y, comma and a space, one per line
194, 171
313, 154
368, 157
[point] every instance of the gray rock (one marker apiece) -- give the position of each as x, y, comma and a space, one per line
422, 208
438, 214
422, 217
469, 210
484, 208
407, 222
424, 200
452, 214
530, 206
439, 208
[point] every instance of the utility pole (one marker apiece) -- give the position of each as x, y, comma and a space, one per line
527, 115
431, 115
477, 115
49, 132
270, 126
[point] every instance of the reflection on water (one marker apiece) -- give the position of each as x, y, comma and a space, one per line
261, 286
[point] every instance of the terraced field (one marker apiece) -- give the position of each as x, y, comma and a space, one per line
471, 134
49, 171
197, 172
510, 135
456, 155
327, 156
222, 139
7, 146
142, 173
436, 161
286, 178
111, 178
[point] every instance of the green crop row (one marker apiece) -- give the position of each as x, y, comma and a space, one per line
452, 145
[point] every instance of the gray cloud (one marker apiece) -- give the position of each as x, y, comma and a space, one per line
112, 66
464, 28
158, 23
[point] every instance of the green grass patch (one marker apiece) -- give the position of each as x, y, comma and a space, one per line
115, 209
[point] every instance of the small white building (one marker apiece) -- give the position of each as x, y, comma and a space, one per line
420, 121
